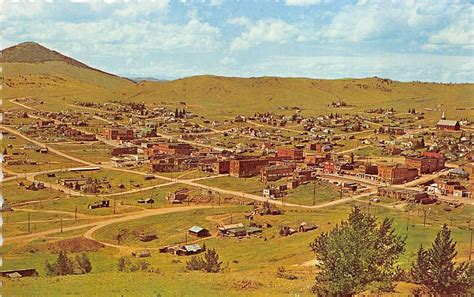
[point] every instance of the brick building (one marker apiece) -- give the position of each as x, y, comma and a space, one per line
291, 153
247, 167
118, 134
329, 167
126, 150
428, 162
275, 172
396, 174
174, 149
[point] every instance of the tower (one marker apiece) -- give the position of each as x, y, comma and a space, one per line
443, 116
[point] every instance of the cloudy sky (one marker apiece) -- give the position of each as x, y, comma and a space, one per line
403, 40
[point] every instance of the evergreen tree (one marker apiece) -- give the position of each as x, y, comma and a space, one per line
357, 255
84, 263
62, 266
212, 263
436, 271
176, 114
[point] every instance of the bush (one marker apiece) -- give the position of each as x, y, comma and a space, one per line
64, 265
83, 263
126, 265
210, 263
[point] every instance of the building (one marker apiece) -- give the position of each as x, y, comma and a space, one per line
275, 172
427, 163
198, 231
404, 194
291, 153
396, 174
175, 149
247, 167
329, 167
448, 125
274, 192
125, 150
118, 134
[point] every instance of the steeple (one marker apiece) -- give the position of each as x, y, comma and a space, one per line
443, 116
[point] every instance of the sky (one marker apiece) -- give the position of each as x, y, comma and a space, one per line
403, 40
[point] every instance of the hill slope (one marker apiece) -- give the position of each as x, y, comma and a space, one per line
30, 69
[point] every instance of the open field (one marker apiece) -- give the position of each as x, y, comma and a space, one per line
254, 259
92, 152
110, 181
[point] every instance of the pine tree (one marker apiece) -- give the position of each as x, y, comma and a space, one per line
176, 114
436, 271
212, 263
357, 255
84, 263
420, 267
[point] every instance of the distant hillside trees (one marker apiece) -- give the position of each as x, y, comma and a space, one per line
435, 271
357, 255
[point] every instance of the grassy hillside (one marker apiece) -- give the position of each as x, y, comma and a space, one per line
37, 71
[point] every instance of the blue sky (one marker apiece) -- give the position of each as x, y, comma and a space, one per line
402, 40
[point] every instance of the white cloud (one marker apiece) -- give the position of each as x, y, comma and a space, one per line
194, 35
216, 2
367, 20
302, 2
240, 21
141, 8
270, 30
227, 61
460, 33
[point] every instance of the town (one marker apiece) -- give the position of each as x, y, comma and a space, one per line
153, 191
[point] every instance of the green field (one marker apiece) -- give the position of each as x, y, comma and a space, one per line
254, 259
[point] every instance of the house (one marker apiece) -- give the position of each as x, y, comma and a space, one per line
147, 237
273, 192
305, 227
198, 231
448, 125
99, 204
21, 272
224, 230
142, 253
178, 196
286, 231
190, 249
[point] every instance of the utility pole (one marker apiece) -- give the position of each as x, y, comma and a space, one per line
114, 203
75, 214
408, 219
470, 245
61, 225
424, 217
314, 192
29, 223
